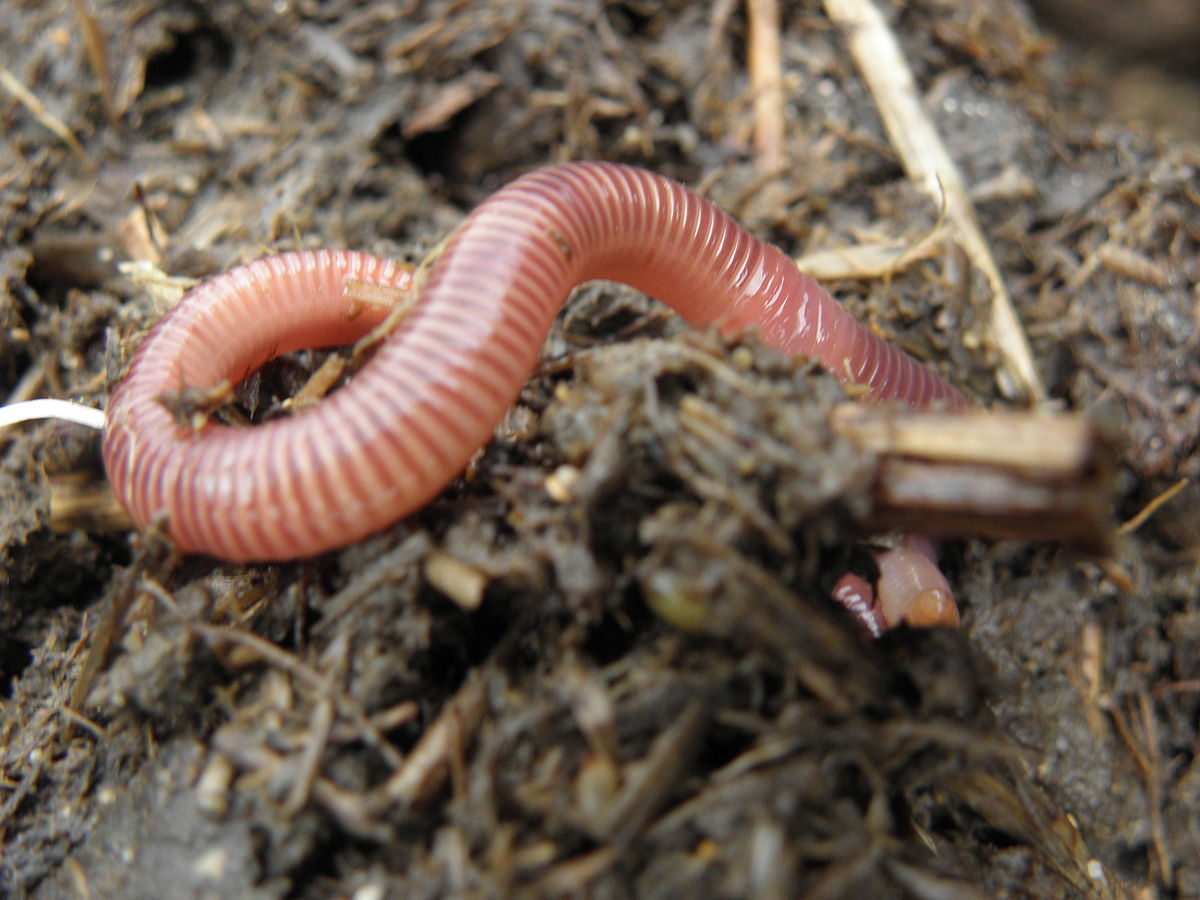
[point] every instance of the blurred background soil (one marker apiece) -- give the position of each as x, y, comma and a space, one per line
600, 664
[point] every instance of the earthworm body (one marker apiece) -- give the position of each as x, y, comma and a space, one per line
412, 417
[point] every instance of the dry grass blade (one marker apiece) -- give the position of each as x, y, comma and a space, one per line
48, 121
1152, 507
438, 754
78, 502
766, 84
319, 384
649, 782
97, 53
348, 808
264, 650
875, 259
927, 162
1137, 726
1024, 812
112, 622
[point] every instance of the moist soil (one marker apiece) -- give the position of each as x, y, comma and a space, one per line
600, 663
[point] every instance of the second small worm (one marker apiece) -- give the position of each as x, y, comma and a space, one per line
413, 416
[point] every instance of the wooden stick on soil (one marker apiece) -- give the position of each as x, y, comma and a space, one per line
1032, 476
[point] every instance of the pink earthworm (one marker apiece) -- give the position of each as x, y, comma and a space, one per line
412, 417
911, 588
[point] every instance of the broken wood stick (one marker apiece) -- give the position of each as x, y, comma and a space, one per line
1026, 475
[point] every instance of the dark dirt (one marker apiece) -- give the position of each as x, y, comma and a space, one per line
652, 698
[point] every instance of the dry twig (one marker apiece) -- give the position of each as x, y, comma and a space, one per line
1144, 514
97, 53
649, 782
218, 636
928, 163
90, 505
1032, 476
348, 808
112, 622
871, 259
766, 84
48, 120
1143, 744
438, 754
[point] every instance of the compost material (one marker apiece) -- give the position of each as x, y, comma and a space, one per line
602, 662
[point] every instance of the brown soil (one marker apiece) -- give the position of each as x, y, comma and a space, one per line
652, 698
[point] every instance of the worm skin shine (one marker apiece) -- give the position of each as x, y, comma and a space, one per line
412, 417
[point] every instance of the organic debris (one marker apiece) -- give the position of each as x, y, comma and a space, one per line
602, 662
